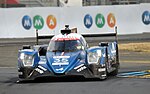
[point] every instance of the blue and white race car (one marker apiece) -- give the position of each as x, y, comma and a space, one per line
68, 54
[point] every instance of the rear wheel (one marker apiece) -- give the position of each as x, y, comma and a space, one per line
115, 72
116, 66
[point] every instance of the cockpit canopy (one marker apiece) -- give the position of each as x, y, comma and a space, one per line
67, 41
65, 45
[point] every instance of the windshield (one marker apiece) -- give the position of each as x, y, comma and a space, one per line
65, 46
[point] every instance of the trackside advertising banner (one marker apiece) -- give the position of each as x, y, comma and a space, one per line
22, 22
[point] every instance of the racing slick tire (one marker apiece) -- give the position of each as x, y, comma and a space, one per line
115, 72
116, 66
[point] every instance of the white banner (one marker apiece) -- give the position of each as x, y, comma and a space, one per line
22, 22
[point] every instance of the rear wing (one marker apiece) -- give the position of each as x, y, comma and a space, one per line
41, 37
74, 30
105, 35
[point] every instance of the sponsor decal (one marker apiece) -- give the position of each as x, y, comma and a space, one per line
39, 70
60, 61
42, 68
42, 62
65, 37
51, 21
146, 17
80, 68
26, 22
38, 22
60, 69
60, 64
100, 20
62, 39
88, 21
61, 56
111, 20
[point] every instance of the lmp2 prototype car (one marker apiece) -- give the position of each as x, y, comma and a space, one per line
68, 54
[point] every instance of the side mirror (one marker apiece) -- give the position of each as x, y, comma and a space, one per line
26, 47
103, 44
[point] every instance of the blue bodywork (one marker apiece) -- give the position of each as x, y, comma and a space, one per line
41, 60
62, 64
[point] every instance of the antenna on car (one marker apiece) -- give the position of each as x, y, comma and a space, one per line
67, 27
66, 30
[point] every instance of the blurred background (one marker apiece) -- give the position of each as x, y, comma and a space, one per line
62, 3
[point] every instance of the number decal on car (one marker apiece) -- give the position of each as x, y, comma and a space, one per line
60, 61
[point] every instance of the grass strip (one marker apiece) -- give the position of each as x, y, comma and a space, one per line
136, 47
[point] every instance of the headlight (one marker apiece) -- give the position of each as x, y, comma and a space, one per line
99, 53
27, 59
93, 57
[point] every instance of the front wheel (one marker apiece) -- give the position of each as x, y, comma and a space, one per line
115, 72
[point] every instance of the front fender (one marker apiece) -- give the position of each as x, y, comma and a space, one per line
101, 51
28, 52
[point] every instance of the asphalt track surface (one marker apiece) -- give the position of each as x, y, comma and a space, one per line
130, 62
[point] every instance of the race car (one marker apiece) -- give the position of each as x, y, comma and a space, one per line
68, 54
